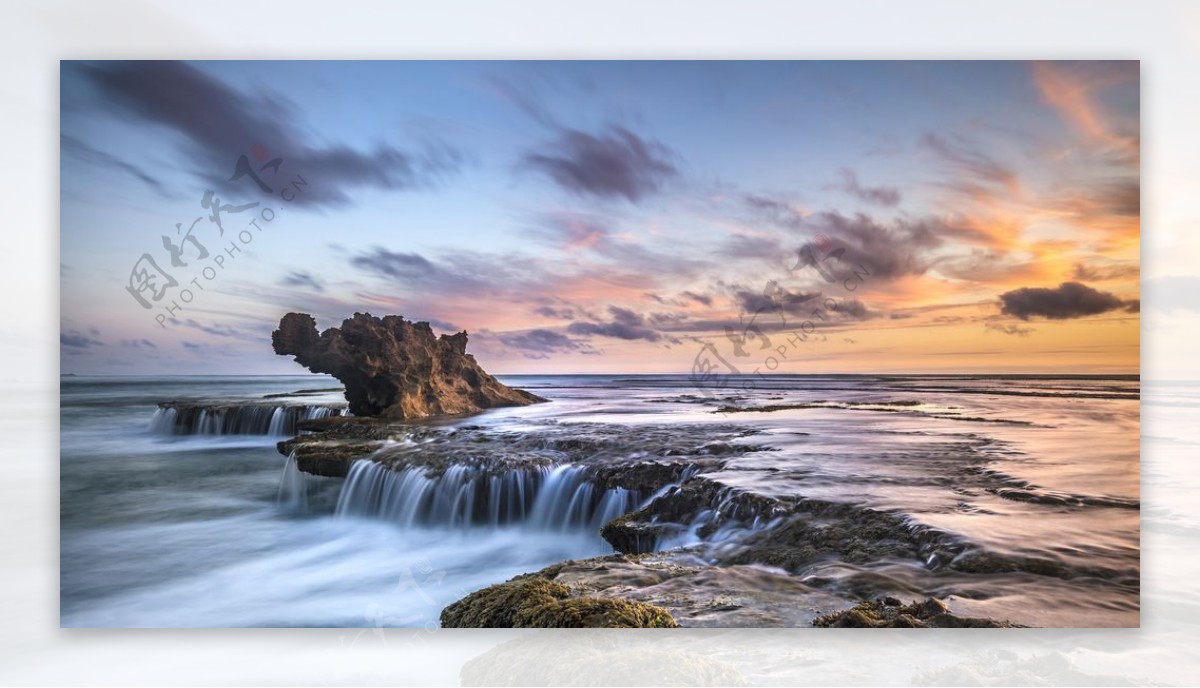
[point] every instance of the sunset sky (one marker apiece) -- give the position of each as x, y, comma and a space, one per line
597, 217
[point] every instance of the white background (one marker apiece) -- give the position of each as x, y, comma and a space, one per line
34, 36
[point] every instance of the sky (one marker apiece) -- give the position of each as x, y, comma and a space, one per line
606, 217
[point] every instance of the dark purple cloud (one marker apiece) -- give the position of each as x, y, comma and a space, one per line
1067, 300
558, 313
853, 309
616, 163
625, 324
779, 299
219, 123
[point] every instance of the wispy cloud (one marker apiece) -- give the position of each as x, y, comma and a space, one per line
887, 196
82, 151
297, 278
1071, 89
79, 340
541, 343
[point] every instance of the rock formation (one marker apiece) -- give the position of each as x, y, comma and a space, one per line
395, 368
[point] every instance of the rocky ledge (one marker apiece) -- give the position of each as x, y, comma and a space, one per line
395, 368
673, 589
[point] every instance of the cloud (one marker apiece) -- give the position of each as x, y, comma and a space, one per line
80, 150
557, 313
138, 344
1120, 198
192, 346
1068, 300
217, 330
540, 343
894, 250
302, 279
522, 94
573, 231
971, 165
853, 309
407, 267
577, 233
989, 266
1101, 273
1071, 88
746, 246
879, 195
703, 299
613, 164
78, 340
1011, 329
625, 324
776, 211
219, 123
774, 300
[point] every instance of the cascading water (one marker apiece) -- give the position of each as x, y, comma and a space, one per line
293, 486
544, 498
249, 419
303, 493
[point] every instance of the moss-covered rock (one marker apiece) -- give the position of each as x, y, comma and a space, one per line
535, 602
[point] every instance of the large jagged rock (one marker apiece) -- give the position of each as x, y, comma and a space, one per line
395, 368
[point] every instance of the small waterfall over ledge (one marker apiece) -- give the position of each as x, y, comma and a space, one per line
277, 420
302, 493
546, 497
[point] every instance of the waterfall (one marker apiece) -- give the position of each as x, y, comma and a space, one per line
249, 419
293, 486
545, 498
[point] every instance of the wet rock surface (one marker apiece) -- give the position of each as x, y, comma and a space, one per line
889, 612
679, 587
395, 368
663, 455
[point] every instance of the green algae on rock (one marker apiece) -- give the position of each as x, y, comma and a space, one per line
535, 602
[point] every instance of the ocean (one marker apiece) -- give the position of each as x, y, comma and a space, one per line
1022, 493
